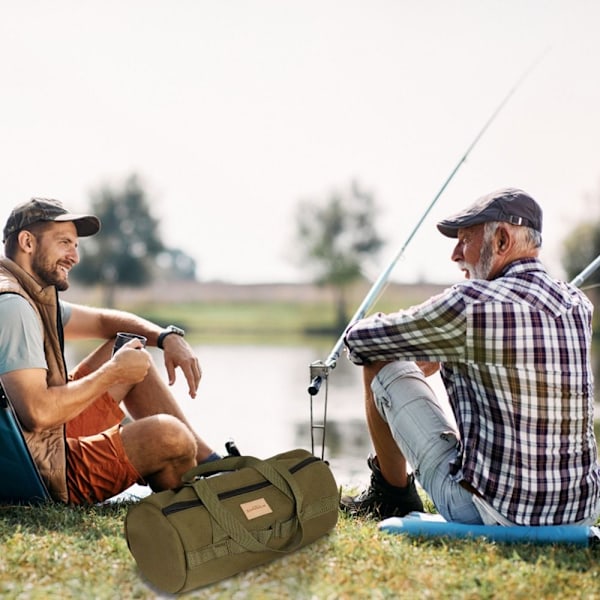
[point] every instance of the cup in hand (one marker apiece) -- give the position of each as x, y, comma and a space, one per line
123, 337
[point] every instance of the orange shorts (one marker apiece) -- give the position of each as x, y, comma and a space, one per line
97, 466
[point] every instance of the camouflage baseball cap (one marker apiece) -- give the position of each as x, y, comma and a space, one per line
44, 209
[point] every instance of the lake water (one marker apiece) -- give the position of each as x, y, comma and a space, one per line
257, 395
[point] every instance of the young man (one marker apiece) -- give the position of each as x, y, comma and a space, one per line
73, 422
513, 345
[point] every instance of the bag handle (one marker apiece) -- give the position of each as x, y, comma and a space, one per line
280, 477
229, 463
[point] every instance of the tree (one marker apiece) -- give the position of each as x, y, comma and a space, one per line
175, 265
336, 237
125, 251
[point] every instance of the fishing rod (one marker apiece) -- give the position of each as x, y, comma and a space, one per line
585, 273
319, 370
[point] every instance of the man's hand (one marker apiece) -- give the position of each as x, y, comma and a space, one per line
371, 369
131, 363
178, 353
428, 368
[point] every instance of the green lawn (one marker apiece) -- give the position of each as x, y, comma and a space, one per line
284, 322
63, 552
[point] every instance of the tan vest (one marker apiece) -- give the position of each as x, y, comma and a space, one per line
47, 447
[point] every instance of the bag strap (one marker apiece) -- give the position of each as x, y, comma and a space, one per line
281, 478
229, 463
270, 469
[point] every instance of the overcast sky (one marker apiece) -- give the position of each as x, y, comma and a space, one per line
231, 112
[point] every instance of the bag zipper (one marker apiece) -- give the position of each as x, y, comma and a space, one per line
179, 506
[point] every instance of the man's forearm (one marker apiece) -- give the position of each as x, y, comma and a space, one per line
93, 323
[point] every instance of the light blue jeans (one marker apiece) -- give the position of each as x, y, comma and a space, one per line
426, 437
429, 441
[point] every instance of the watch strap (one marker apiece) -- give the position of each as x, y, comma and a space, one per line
168, 331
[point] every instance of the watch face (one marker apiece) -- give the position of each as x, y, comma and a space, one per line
176, 330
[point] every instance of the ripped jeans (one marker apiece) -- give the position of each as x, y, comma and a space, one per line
426, 437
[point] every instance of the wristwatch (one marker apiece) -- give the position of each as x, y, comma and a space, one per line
168, 331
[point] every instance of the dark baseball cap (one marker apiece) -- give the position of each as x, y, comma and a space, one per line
44, 209
510, 205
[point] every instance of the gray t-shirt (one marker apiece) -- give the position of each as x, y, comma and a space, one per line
21, 334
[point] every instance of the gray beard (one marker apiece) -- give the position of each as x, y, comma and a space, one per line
484, 266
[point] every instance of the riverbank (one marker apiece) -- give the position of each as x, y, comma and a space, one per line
217, 312
218, 291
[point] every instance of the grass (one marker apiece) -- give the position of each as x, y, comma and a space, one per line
285, 322
225, 322
65, 552
54, 551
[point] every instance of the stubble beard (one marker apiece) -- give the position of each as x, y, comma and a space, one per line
48, 274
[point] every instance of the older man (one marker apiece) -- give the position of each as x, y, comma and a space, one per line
514, 349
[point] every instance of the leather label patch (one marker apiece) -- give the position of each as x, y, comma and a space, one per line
256, 508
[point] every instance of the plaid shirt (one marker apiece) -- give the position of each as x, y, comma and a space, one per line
516, 366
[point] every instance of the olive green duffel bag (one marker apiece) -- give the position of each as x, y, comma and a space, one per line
231, 515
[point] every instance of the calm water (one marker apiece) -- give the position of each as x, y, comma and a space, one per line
258, 396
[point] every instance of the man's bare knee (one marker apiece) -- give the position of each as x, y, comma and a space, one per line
157, 442
175, 437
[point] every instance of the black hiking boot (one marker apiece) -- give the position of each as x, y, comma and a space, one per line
381, 500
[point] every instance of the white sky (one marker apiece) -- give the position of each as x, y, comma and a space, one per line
233, 111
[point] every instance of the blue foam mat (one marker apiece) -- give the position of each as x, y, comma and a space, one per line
434, 526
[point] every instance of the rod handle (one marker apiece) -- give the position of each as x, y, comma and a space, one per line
315, 385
